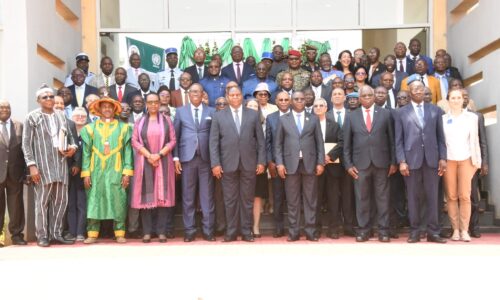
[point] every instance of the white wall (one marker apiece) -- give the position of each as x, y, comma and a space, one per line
472, 32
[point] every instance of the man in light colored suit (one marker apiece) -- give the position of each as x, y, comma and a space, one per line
421, 154
300, 155
192, 161
237, 154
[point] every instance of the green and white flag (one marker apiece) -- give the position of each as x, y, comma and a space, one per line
152, 58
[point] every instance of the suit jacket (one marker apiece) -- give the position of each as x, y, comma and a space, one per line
483, 141
378, 70
334, 135
193, 70
363, 148
398, 79
76, 159
246, 73
411, 65
189, 137
12, 163
176, 99
272, 121
453, 73
413, 142
128, 92
230, 150
88, 90
434, 85
289, 143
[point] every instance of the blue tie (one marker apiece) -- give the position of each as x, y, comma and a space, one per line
299, 123
420, 115
339, 118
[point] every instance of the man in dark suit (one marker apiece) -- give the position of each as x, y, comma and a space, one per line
300, 156
12, 170
421, 154
237, 154
238, 70
329, 181
402, 63
198, 70
451, 71
144, 87
321, 90
370, 159
283, 102
375, 67
79, 89
121, 91
415, 46
397, 76
192, 161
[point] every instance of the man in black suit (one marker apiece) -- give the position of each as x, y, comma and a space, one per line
329, 181
320, 90
397, 76
300, 155
403, 64
421, 154
238, 70
79, 89
237, 154
370, 159
121, 91
450, 70
375, 67
12, 170
283, 102
198, 70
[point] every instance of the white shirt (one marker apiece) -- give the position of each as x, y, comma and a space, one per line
239, 113
322, 124
457, 136
403, 61
200, 111
317, 90
184, 96
137, 116
236, 68
392, 98
342, 115
200, 70
371, 108
425, 79
282, 113
80, 94
7, 125
415, 108
308, 109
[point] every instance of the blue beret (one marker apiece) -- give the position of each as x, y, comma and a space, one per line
267, 55
353, 95
412, 78
170, 50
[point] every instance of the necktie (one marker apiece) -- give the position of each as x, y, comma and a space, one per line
237, 120
5, 134
238, 73
444, 85
186, 97
171, 85
107, 81
339, 118
196, 119
420, 115
200, 72
368, 120
401, 68
120, 94
299, 123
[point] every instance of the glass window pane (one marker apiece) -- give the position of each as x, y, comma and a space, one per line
199, 14
263, 14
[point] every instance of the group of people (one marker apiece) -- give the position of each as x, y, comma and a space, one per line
360, 144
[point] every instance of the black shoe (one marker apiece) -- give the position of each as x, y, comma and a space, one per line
414, 238
361, 238
17, 240
384, 238
62, 241
220, 232
248, 238
446, 233
292, 238
69, 237
475, 234
393, 235
334, 235
312, 238
279, 233
435, 238
189, 238
209, 237
257, 235
43, 242
134, 235
170, 235
229, 238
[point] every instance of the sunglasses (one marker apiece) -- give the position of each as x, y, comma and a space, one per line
48, 97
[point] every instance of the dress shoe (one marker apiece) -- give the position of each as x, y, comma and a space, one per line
248, 238
69, 237
62, 241
209, 237
229, 238
189, 238
90, 240
292, 238
43, 242
361, 238
413, 238
121, 240
170, 235
393, 235
162, 238
446, 233
435, 238
134, 235
219, 232
475, 234
257, 235
312, 238
349, 232
334, 235
17, 240
456, 235
384, 238
146, 238
278, 233
464, 236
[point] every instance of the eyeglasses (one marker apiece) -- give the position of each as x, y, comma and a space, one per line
47, 97
221, 104
262, 94
80, 116
401, 97
283, 100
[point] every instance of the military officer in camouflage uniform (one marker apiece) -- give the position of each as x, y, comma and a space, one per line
300, 76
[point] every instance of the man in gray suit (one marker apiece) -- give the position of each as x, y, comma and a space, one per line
300, 156
192, 161
370, 159
237, 154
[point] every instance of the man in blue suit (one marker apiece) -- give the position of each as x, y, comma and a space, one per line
238, 70
192, 161
421, 154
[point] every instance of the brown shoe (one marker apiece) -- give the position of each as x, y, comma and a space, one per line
90, 240
121, 240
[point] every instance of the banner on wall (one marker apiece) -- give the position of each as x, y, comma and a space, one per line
151, 56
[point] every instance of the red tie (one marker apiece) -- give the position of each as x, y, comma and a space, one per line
368, 120
120, 94
238, 71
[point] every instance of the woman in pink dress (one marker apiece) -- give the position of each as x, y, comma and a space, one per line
154, 177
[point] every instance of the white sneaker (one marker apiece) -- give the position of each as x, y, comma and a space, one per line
456, 235
464, 236
80, 238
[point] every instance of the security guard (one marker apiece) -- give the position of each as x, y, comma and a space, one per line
82, 62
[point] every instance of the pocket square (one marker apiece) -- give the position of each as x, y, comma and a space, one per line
208, 118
